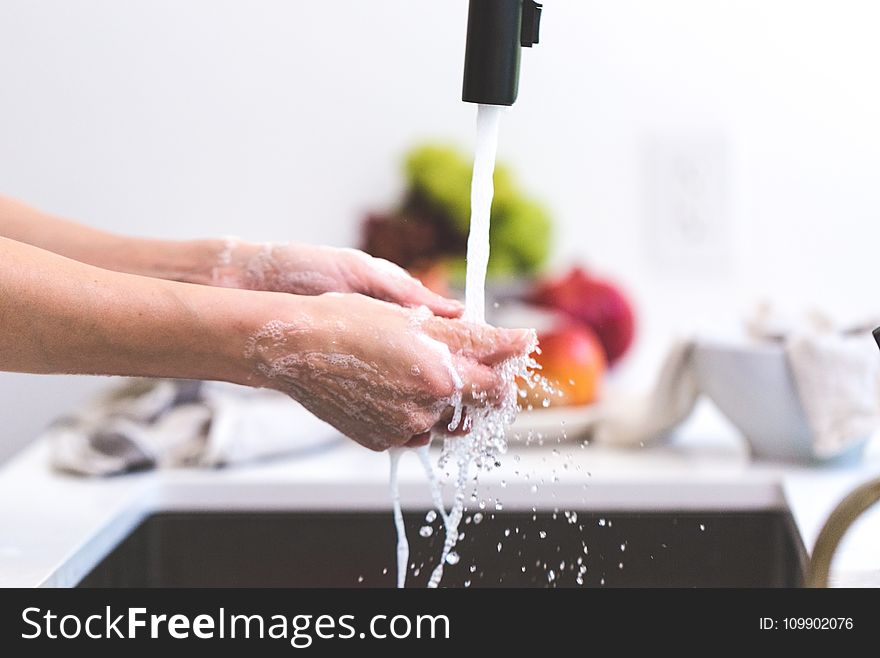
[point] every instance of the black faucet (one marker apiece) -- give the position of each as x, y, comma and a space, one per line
496, 31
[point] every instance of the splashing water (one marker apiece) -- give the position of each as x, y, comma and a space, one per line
486, 439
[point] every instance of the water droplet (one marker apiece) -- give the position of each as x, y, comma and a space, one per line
384, 571
415, 370
602, 522
478, 517
534, 488
452, 558
431, 516
507, 532
498, 505
620, 565
551, 576
499, 547
503, 483
542, 534
467, 583
622, 547
702, 527
426, 531
473, 568
360, 579
545, 402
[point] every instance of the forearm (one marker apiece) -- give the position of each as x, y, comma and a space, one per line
191, 261
61, 316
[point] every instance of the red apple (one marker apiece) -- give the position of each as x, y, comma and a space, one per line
595, 302
573, 362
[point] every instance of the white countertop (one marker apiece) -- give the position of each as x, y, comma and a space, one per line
54, 528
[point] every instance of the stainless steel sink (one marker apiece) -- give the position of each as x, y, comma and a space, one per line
337, 549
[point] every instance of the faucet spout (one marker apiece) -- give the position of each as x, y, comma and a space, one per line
497, 30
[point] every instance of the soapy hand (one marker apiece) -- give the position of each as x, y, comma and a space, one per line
303, 269
382, 374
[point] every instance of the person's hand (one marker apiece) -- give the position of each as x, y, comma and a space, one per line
304, 269
382, 374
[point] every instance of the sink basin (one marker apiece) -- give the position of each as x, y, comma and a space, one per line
339, 549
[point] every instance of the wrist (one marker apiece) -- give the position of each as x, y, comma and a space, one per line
260, 327
185, 261
188, 261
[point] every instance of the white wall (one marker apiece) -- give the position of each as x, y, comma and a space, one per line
284, 119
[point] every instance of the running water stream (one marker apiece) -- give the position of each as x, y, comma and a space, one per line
482, 191
486, 439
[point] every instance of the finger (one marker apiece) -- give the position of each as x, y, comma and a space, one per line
483, 343
481, 385
391, 283
416, 294
406, 290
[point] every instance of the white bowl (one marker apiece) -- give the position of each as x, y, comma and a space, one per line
752, 385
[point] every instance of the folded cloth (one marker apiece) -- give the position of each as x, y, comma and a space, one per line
835, 370
161, 423
640, 421
838, 382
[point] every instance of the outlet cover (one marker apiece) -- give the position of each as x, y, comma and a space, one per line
686, 205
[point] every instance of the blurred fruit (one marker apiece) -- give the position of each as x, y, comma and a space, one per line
596, 303
413, 241
442, 177
433, 222
573, 363
520, 230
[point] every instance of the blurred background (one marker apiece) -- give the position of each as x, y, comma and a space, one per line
702, 154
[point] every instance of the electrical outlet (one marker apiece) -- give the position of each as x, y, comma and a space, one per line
686, 199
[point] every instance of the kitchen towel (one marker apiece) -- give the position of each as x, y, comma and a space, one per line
161, 423
835, 371
637, 422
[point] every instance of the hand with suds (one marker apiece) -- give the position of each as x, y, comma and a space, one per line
295, 268
303, 269
382, 374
